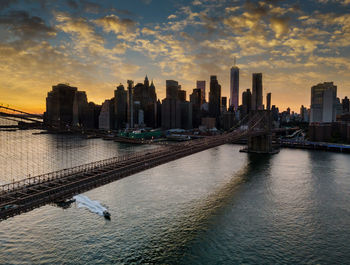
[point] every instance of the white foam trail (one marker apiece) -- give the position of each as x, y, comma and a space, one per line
92, 206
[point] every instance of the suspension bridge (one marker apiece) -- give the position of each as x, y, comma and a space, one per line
23, 195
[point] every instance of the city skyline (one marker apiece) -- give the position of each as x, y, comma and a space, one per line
97, 45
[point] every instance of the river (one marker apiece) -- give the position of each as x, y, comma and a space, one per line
218, 206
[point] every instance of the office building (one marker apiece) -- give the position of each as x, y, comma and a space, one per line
186, 115
215, 99
234, 86
201, 86
345, 104
145, 94
171, 107
246, 102
181, 95
130, 104
224, 104
257, 92
172, 89
120, 107
59, 105
105, 119
268, 101
196, 99
323, 102
304, 114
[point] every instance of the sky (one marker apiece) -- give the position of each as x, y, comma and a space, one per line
95, 45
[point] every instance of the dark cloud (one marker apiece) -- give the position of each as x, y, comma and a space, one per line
122, 12
6, 3
91, 7
72, 4
258, 9
22, 24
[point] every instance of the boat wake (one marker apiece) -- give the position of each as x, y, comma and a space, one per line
92, 206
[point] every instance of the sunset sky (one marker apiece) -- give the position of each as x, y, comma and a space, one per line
95, 45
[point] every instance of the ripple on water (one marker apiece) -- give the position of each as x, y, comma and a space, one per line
215, 207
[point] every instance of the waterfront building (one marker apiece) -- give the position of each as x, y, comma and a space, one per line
120, 107
208, 122
234, 86
196, 99
146, 95
257, 89
323, 102
105, 120
171, 107
159, 113
59, 105
186, 115
80, 105
130, 104
171, 113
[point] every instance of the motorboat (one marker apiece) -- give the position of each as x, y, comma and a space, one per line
107, 215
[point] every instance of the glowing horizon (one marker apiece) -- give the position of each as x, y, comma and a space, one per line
95, 45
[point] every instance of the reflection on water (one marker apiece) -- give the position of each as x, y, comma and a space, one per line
26, 153
218, 206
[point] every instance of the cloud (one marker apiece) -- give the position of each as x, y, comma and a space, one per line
25, 26
280, 26
124, 28
79, 27
6, 3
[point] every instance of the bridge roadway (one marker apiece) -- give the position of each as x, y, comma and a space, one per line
27, 194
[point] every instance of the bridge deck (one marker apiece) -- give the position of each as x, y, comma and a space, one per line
25, 195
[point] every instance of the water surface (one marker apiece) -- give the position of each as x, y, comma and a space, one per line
218, 206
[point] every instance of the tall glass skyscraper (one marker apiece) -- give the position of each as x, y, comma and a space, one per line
234, 87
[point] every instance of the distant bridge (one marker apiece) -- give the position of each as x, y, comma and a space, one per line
24, 195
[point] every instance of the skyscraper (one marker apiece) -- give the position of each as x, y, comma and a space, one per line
130, 103
65, 105
234, 86
214, 98
268, 101
196, 99
223, 104
246, 102
120, 107
171, 107
181, 95
257, 97
323, 102
201, 86
345, 104
172, 88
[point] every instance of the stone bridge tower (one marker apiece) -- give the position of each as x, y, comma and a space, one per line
260, 137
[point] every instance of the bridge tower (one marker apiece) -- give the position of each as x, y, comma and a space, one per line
260, 137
